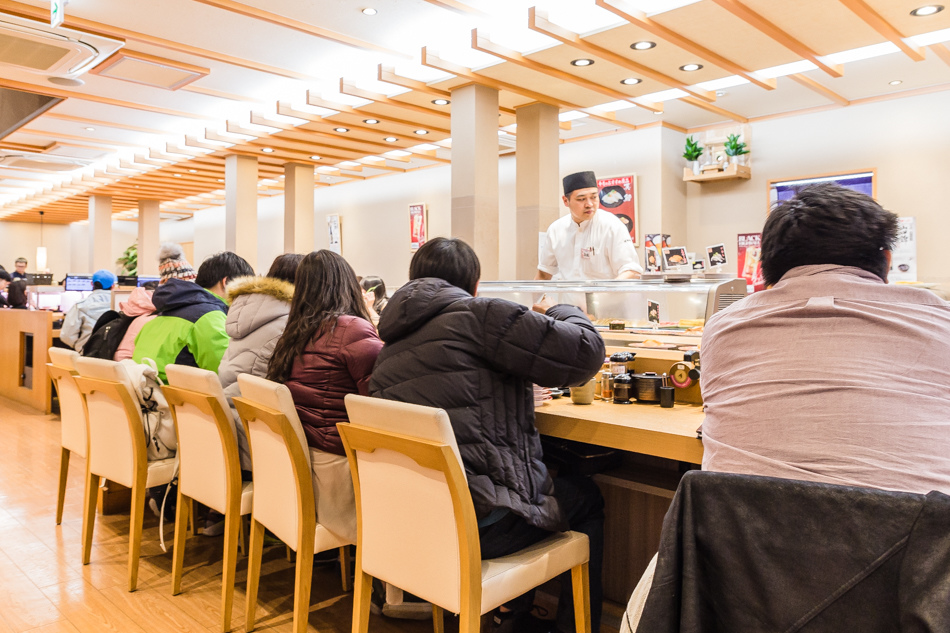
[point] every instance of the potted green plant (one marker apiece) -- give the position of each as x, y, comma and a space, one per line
129, 261
735, 149
692, 153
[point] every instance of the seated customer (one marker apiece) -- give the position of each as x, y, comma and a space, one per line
189, 326
16, 295
830, 375
256, 320
79, 321
326, 352
5, 280
139, 306
477, 358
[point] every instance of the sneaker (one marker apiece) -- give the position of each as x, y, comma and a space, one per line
392, 602
214, 524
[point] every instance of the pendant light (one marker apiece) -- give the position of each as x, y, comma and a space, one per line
41, 250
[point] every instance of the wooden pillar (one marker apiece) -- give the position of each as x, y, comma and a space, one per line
475, 172
537, 188
100, 233
149, 241
298, 208
240, 198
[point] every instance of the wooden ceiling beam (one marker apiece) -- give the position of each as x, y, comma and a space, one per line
101, 123
942, 52
811, 84
759, 23
538, 22
387, 74
350, 89
305, 136
640, 19
433, 61
885, 28
485, 45
307, 148
72, 137
319, 102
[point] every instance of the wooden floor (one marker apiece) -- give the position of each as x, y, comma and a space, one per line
44, 588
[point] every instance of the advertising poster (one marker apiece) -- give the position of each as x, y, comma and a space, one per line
335, 242
750, 260
619, 196
417, 225
716, 255
675, 257
904, 255
654, 264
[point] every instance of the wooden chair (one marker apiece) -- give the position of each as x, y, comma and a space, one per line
283, 492
417, 527
116, 449
72, 413
209, 468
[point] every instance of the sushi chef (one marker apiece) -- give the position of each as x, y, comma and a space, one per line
587, 243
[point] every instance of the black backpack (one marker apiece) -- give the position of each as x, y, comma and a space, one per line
107, 335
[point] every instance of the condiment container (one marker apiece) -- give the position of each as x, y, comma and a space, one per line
623, 388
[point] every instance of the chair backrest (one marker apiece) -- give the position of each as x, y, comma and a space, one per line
416, 522
115, 430
280, 459
210, 469
72, 409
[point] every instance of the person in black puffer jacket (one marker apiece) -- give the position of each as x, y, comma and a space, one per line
477, 358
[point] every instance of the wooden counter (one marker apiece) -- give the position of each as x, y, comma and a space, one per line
638, 428
25, 379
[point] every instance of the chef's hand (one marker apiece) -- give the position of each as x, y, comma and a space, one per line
543, 304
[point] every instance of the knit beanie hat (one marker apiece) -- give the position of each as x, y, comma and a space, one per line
172, 263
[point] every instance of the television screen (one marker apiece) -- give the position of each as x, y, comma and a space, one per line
79, 283
144, 280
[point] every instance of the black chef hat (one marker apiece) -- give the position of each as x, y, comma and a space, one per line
580, 180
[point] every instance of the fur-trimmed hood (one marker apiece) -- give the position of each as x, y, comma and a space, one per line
257, 302
277, 288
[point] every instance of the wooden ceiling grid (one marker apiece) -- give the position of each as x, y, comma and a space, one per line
726, 36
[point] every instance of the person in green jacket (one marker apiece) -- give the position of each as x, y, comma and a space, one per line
189, 328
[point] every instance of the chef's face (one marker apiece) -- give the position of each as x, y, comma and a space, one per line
582, 203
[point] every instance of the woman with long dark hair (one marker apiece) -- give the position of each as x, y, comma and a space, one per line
16, 295
327, 350
375, 288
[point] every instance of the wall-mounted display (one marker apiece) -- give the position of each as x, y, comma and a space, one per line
418, 225
619, 196
863, 181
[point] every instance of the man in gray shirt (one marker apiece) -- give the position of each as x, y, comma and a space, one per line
831, 374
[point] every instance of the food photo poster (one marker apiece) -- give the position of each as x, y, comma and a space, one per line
619, 196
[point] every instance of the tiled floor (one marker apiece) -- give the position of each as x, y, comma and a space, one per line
44, 588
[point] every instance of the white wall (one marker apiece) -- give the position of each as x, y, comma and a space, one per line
20, 239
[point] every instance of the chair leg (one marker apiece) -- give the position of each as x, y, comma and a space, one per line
89, 515
232, 526
438, 620
242, 536
254, 554
470, 621
135, 530
362, 593
182, 516
345, 566
303, 581
193, 527
580, 579
63, 470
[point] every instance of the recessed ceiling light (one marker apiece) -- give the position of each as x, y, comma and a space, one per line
642, 46
721, 93
341, 130
369, 11
314, 157
192, 171
441, 101
267, 150
90, 129
691, 67
630, 81
896, 82
421, 132
390, 139
177, 175
220, 179
370, 121
582, 62
929, 9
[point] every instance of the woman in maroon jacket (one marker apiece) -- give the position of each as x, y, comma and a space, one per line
327, 351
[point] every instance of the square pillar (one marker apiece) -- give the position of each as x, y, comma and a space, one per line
100, 233
537, 187
475, 172
149, 242
298, 208
240, 198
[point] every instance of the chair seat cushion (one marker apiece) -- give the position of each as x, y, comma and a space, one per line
508, 577
161, 471
247, 497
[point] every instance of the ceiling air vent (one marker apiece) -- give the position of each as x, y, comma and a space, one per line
36, 162
35, 47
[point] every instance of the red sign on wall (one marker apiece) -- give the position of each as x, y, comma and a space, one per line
619, 196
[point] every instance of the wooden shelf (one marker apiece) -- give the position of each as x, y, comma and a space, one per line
731, 172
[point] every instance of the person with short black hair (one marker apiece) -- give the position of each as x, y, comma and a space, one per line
19, 268
190, 326
81, 318
5, 280
831, 374
16, 295
478, 358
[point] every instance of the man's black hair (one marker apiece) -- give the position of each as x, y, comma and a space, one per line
450, 259
827, 224
5, 276
96, 285
221, 265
